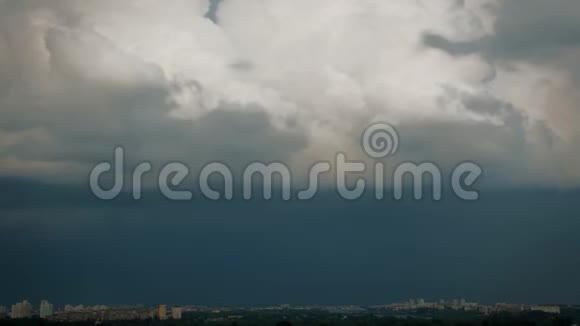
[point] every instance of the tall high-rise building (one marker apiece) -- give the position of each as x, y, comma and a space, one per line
21, 310
176, 313
46, 309
3, 310
162, 312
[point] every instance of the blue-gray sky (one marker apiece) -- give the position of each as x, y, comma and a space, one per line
512, 246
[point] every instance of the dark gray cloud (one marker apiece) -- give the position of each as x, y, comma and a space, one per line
213, 10
71, 95
534, 47
525, 29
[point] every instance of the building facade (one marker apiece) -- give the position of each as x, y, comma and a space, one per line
162, 312
176, 313
46, 309
21, 310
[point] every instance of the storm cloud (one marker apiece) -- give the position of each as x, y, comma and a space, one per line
294, 81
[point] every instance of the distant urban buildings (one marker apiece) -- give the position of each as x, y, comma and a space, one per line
176, 313
81, 313
46, 309
162, 312
21, 310
95, 313
81, 308
463, 305
546, 309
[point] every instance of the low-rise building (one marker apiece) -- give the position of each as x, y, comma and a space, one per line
46, 309
162, 312
546, 309
176, 313
21, 310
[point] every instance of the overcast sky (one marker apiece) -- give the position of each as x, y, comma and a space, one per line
491, 81
496, 82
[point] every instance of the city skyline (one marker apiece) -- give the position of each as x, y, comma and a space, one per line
45, 309
413, 302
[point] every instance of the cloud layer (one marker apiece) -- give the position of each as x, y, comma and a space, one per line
494, 81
